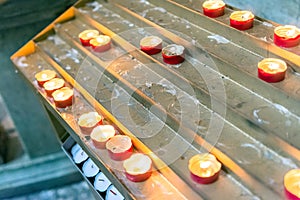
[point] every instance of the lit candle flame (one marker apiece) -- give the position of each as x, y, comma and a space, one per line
291, 32
51, 84
206, 169
104, 135
246, 15
215, 5
100, 39
90, 34
60, 95
44, 76
273, 66
205, 164
89, 121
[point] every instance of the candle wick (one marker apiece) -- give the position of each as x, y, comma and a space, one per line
215, 5
113, 192
290, 32
245, 16
273, 66
101, 180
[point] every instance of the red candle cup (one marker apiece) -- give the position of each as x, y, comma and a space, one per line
241, 20
88, 121
138, 167
119, 147
151, 45
213, 8
287, 36
292, 184
204, 168
101, 134
53, 85
63, 97
272, 70
101, 43
173, 54
86, 36
44, 76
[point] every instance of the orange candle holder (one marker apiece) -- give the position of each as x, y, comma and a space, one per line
272, 70
204, 168
88, 121
213, 8
44, 76
241, 20
53, 85
119, 147
87, 35
173, 54
151, 45
101, 43
138, 167
292, 184
287, 36
101, 134
63, 97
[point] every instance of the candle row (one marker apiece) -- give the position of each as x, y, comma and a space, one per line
172, 54
92, 38
270, 69
204, 168
55, 88
119, 147
284, 36
89, 169
241, 20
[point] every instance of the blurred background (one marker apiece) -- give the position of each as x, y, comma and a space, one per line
32, 164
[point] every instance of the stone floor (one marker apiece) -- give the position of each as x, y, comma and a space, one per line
75, 191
